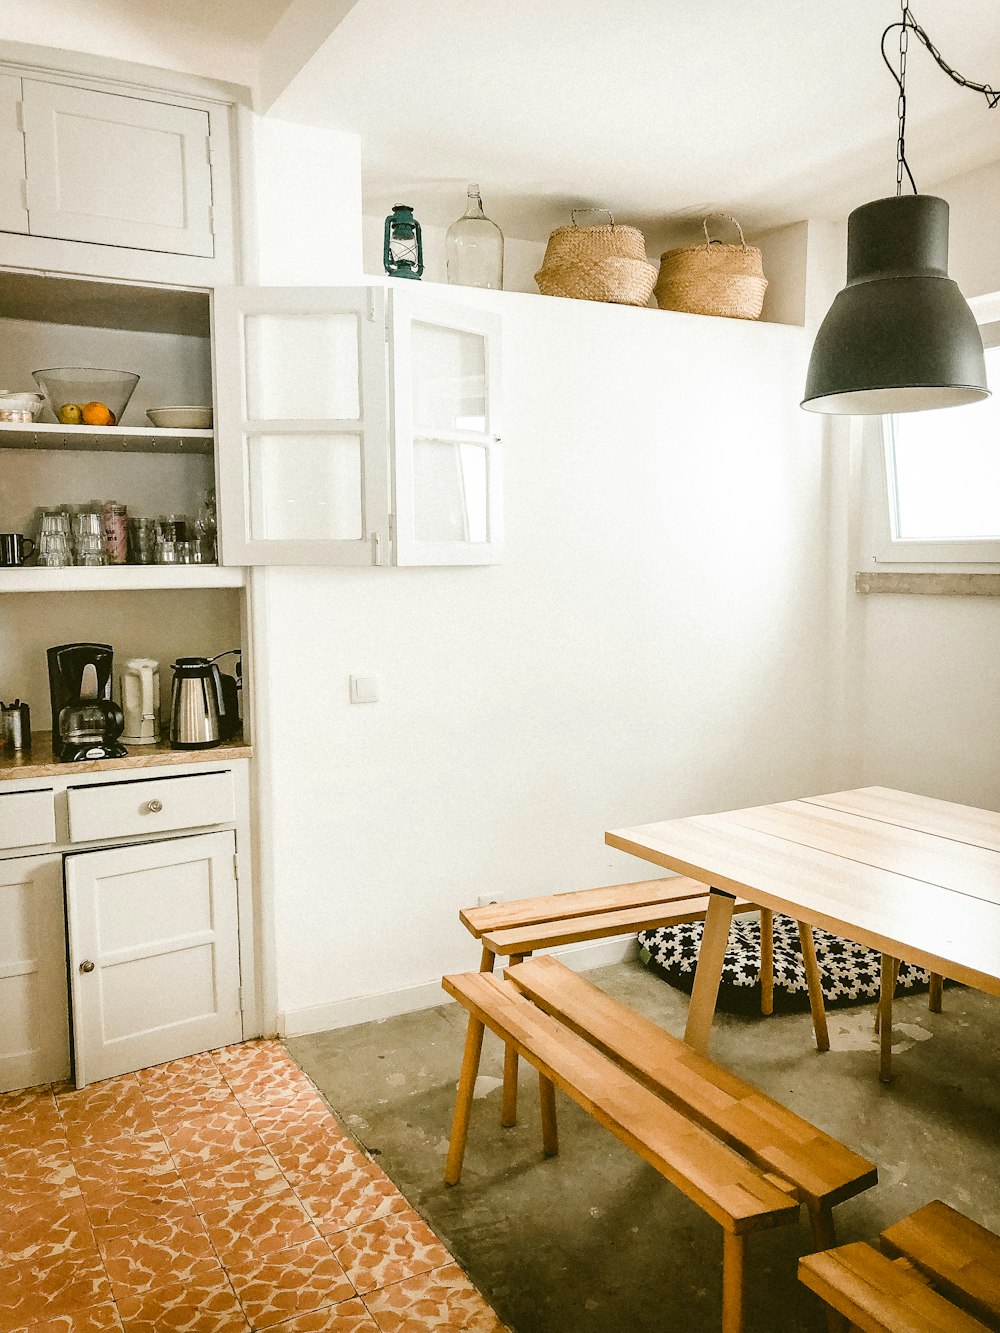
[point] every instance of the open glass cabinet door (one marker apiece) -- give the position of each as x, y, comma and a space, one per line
445, 375
302, 432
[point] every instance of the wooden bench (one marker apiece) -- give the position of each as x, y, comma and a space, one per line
939, 1273
518, 929
743, 1158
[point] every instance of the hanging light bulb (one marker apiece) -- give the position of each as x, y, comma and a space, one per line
900, 336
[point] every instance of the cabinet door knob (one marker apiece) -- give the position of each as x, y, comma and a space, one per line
153, 807
86, 965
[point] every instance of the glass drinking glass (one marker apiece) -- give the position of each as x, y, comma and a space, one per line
167, 553
142, 541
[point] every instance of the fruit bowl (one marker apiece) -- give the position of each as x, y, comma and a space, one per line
99, 396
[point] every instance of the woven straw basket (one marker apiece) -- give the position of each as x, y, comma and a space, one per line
605, 263
713, 279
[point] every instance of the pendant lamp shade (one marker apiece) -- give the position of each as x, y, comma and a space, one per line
900, 336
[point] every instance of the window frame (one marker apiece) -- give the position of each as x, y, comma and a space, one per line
932, 551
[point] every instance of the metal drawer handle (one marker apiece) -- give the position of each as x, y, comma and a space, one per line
153, 807
86, 966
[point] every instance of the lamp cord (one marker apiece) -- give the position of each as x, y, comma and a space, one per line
908, 25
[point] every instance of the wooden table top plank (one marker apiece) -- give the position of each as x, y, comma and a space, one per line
945, 819
922, 923
962, 867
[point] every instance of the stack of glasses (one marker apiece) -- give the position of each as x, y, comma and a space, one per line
54, 549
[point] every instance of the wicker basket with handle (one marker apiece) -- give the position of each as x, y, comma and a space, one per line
713, 279
605, 263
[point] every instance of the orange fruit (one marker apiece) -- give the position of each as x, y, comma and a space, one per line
97, 414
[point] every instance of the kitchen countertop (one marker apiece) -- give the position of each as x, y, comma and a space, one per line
39, 761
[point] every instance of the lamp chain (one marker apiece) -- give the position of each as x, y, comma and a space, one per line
907, 25
904, 41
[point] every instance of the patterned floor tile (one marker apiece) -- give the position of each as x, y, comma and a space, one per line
213, 1139
122, 1164
192, 1086
205, 1304
171, 1246
443, 1301
32, 1173
98, 1319
14, 1103
388, 1250
32, 1234
289, 1282
47, 1288
345, 1191
105, 1111
252, 1175
349, 1317
258, 1226
34, 1122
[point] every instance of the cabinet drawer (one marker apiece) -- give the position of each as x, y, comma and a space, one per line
124, 809
27, 818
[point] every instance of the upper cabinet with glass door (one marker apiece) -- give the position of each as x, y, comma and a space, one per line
356, 426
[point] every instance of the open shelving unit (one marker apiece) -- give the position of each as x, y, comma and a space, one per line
120, 578
123, 439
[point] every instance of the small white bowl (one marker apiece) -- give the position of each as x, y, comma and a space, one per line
181, 418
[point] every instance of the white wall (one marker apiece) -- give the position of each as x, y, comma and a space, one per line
930, 682
653, 644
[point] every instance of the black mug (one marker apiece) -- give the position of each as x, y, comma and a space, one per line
12, 546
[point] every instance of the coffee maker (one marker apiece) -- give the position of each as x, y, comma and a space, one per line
86, 723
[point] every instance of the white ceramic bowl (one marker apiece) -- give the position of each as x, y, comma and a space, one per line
181, 418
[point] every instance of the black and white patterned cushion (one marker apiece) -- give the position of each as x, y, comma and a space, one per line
850, 973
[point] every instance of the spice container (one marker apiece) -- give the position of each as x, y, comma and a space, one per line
114, 519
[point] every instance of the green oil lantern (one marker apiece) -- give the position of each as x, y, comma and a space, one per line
403, 248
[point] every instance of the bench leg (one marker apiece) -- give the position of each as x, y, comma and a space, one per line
708, 973
815, 987
734, 1254
487, 960
550, 1130
935, 993
825, 1238
508, 1106
889, 968
766, 961
463, 1101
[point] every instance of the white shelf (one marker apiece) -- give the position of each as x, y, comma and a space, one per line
114, 439
108, 578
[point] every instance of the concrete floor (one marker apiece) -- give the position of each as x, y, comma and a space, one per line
594, 1241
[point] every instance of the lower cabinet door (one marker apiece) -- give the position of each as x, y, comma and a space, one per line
34, 1013
153, 953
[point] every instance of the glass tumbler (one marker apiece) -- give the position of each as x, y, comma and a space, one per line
142, 541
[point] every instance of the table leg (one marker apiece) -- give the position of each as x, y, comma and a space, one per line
708, 973
766, 961
815, 987
935, 993
889, 967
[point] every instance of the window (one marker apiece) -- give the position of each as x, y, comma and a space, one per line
943, 478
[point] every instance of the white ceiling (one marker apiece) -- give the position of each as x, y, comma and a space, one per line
660, 108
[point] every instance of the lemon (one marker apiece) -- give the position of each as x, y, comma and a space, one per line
70, 414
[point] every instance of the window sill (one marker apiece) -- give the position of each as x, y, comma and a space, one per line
928, 584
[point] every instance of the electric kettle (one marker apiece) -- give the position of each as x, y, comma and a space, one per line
196, 704
140, 694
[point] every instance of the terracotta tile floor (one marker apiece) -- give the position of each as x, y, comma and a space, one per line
216, 1194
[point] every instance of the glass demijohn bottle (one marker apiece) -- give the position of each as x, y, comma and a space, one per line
474, 247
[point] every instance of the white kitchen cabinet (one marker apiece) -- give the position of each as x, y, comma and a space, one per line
13, 205
153, 953
356, 426
116, 170
113, 180
34, 1026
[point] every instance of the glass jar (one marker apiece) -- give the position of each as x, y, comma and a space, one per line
474, 247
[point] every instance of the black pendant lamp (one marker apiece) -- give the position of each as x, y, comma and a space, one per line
900, 336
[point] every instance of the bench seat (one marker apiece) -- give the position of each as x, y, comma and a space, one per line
744, 1159
939, 1272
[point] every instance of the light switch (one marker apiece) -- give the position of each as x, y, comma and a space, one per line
364, 689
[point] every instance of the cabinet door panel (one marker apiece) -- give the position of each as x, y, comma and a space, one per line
117, 170
34, 1031
13, 214
302, 425
159, 924
446, 455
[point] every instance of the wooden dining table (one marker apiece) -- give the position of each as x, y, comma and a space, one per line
914, 877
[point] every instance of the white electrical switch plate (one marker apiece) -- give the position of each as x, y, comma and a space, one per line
364, 689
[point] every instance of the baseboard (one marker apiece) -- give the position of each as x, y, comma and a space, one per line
388, 1004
